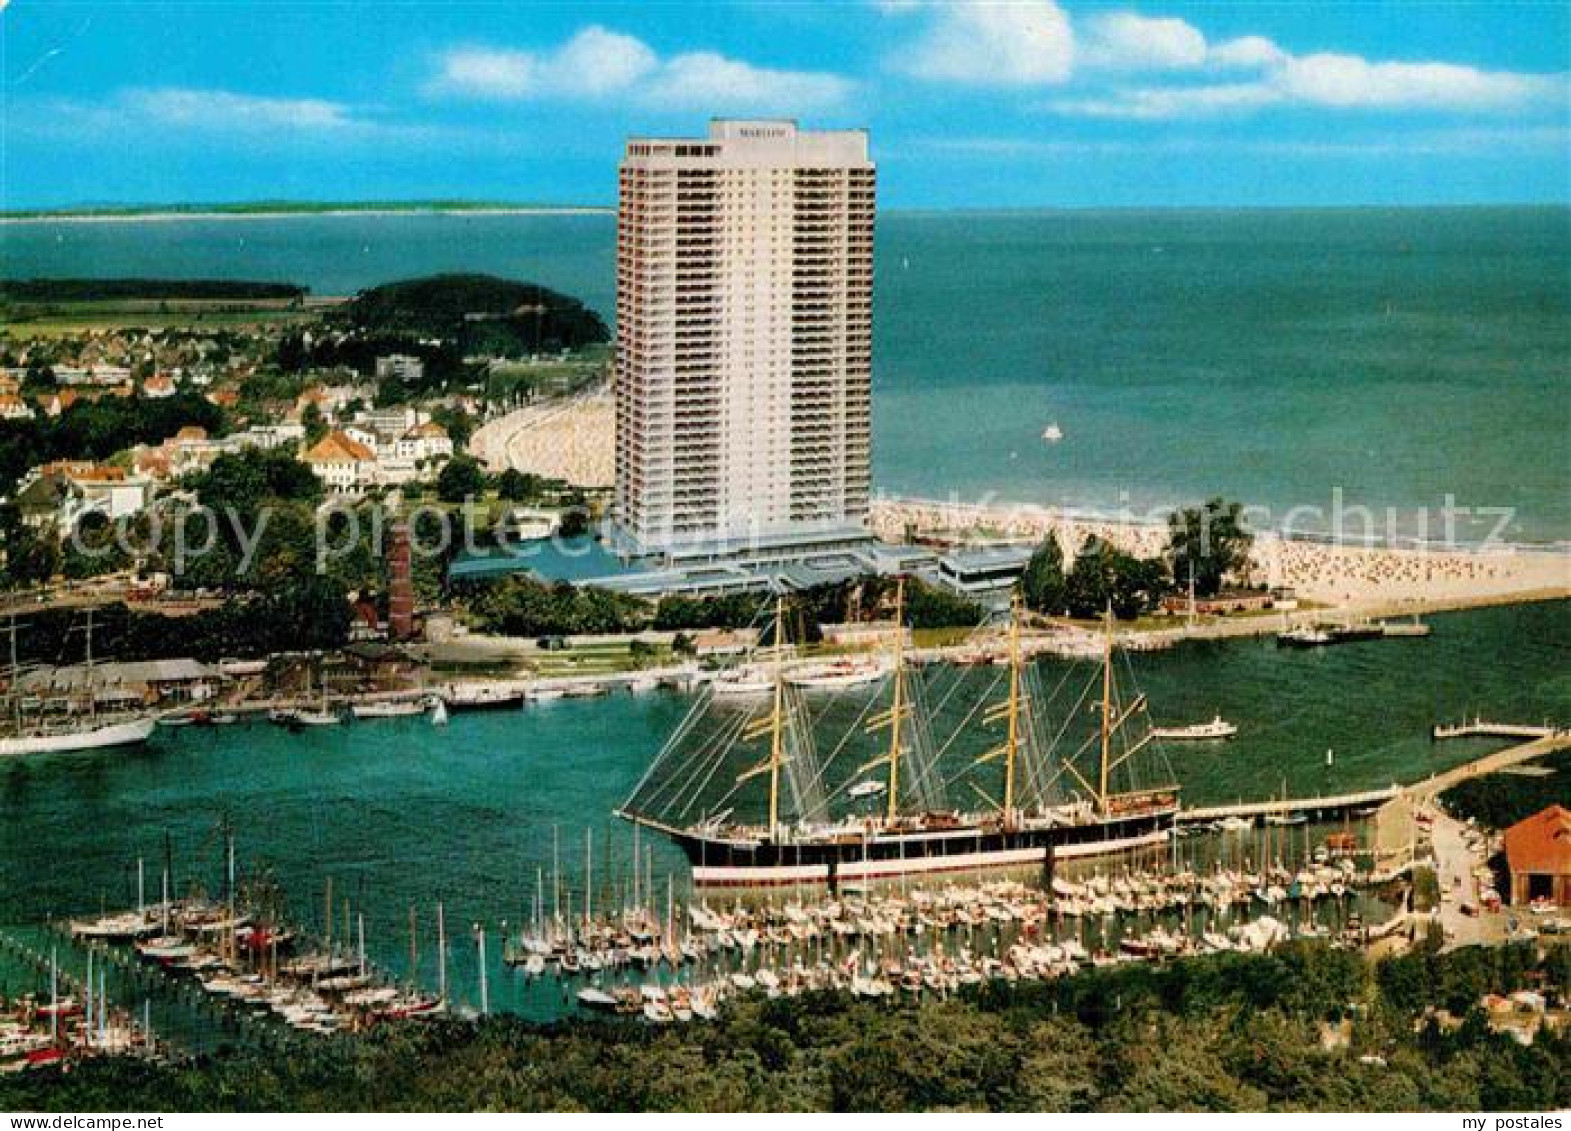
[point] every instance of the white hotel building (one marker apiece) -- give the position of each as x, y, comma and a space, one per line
744, 341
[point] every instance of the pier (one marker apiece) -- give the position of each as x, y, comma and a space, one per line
1479, 728
1329, 806
1548, 741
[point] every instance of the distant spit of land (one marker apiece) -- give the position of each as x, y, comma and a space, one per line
264, 209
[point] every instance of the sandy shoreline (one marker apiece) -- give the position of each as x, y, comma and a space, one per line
574, 440
166, 217
1395, 579
571, 440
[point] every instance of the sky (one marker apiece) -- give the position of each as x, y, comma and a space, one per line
1031, 103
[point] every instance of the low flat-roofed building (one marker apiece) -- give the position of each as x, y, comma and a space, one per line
146, 681
863, 634
984, 570
715, 642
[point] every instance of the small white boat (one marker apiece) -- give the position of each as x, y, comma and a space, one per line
546, 694
390, 709
866, 789
1053, 433
438, 713
1218, 727
837, 674
742, 683
593, 997
642, 684
318, 719
483, 697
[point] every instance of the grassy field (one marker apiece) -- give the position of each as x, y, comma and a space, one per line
561, 377
56, 319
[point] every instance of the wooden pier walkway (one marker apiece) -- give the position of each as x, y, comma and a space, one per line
1434, 786
1479, 728
1292, 806
1541, 740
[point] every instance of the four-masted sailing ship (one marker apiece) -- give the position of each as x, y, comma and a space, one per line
1060, 789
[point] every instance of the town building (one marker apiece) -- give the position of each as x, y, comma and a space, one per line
62, 493
13, 407
400, 367
1538, 858
345, 466
158, 386
744, 339
424, 443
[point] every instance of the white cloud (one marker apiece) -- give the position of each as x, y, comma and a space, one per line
1163, 102
224, 110
1019, 43
1033, 42
1325, 81
703, 79
597, 64
1127, 41
594, 63
1246, 53
1347, 80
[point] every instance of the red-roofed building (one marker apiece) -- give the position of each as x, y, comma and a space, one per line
1538, 857
343, 464
159, 385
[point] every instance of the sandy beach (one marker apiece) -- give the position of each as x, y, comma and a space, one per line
1351, 577
572, 440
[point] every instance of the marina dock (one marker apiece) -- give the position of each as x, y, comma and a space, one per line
1314, 807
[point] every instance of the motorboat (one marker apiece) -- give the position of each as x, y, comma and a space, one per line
1217, 728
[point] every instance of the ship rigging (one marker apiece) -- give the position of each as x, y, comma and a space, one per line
1044, 788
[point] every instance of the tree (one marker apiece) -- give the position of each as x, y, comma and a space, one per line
1208, 543
460, 478
1043, 580
315, 425
575, 522
32, 558
516, 486
1104, 576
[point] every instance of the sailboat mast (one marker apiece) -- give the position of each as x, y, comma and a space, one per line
13, 685
897, 702
92, 693
777, 722
1012, 743
1107, 709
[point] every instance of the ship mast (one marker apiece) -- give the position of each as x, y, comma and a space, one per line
1107, 709
897, 702
1009, 711
777, 722
773, 725
1012, 742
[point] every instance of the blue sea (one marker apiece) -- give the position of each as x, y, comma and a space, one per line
1290, 358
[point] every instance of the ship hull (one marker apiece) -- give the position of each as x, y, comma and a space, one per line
107, 737
718, 862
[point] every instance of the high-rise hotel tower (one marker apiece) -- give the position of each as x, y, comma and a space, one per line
744, 339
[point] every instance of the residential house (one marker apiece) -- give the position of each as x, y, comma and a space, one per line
13, 407
425, 442
344, 465
158, 386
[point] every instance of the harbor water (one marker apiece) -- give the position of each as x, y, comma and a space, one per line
478, 814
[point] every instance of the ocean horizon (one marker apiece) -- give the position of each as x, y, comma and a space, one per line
1377, 357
